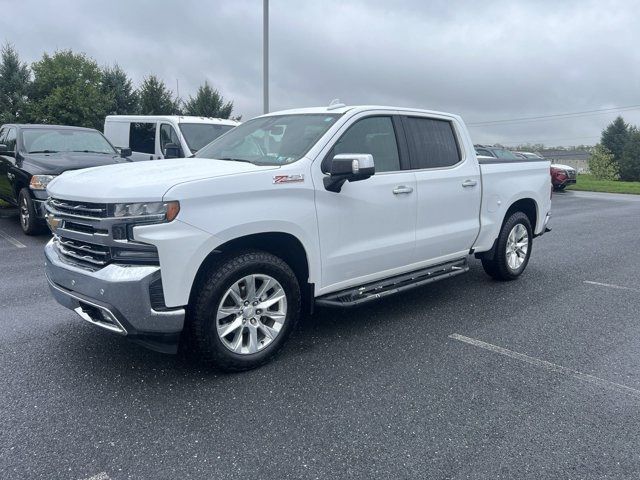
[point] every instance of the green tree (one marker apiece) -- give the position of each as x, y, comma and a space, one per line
602, 164
630, 161
118, 86
208, 103
67, 90
156, 98
614, 137
15, 80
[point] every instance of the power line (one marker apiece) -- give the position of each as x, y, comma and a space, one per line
555, 116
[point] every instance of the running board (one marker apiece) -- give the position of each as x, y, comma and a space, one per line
371, 291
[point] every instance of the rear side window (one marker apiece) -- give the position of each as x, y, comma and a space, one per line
432, 143
142, 137
374, 135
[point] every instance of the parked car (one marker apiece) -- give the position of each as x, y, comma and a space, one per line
334, 206
32, 155
562, 176
166, 136
495, 152
529, 155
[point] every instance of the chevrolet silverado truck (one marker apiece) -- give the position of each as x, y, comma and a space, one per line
333, 206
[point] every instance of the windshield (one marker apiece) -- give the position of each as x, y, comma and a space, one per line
276, 140
198, 135
506, 154
65, 140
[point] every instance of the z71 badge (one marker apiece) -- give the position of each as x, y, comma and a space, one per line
295, 178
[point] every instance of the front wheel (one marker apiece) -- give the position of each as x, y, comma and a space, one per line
512, 250
245, 309
29, 221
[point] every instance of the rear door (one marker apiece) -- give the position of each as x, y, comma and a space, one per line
367, 230
448, 188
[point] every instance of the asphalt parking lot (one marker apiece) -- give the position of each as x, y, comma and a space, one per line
466, 378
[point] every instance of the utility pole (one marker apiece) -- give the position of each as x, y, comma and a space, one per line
265, 54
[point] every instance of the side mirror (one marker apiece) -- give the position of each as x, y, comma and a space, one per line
3, 148
125, 152
171, 150
348, 166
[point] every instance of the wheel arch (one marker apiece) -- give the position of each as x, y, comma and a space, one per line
526, 205
283, 245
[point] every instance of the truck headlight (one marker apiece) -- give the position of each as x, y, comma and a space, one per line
163, 211
40, 182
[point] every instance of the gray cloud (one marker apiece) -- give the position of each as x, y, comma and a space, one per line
484, 60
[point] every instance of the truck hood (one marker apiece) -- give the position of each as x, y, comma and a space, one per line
559, 165
56, 163
141, 181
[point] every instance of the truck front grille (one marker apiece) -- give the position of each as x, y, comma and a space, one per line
83, 209
86, 235
77, 251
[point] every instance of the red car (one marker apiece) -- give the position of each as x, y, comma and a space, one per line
562, 175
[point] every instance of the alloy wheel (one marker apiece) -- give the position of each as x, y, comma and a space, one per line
251, 314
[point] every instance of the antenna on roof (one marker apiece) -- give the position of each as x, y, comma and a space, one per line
335, 103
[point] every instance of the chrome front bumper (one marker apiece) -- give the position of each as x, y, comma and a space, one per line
115, 297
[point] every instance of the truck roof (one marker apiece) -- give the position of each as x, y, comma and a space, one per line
174, 118
341, 109
43, 126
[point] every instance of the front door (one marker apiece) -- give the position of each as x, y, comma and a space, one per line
367, 230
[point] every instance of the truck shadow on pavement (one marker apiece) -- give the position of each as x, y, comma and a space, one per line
420, 316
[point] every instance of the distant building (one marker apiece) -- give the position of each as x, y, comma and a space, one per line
578, 159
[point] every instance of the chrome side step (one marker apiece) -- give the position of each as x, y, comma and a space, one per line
371, 291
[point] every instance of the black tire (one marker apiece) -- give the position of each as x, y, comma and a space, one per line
560, 188
202, 337
498, 267
30, 223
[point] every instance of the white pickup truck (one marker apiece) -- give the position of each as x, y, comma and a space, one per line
331, 206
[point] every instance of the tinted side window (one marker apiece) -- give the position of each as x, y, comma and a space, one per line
10, 140
3, 133
168, 135
142, 137
374, 135
432, 143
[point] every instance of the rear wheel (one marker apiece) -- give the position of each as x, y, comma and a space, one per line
244, 311
29, 221
512, 250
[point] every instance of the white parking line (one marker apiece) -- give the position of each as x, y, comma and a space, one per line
12, 240
612, 286
99, 476
548, 365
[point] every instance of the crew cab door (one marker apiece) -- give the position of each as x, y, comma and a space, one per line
449, 190
368, 228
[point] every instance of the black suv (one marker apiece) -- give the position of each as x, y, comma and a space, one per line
496, 152
32, 155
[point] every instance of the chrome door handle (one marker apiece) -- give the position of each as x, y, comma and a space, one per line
469, 183
402, 189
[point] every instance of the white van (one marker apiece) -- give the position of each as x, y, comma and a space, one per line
148, 136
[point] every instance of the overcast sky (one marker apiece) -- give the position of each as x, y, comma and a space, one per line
484, 60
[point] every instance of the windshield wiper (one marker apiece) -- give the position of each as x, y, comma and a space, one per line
92, 151
44, 151
236, 159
